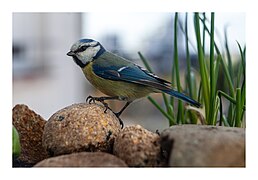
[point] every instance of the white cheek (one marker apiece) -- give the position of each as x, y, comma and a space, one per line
88, 54
84, 57
94, 50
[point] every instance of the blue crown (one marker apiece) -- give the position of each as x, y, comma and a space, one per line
86, 40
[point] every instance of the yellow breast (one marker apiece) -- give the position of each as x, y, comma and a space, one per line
122, 89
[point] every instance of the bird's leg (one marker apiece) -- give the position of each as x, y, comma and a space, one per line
120, 112
125, 106
102, 100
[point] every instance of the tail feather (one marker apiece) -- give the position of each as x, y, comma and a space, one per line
182, 97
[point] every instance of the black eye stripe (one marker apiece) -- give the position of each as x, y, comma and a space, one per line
80, 49
84, 47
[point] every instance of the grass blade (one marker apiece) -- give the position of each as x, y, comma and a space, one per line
203, 33
229, 80
180, 114
204, 78
170, 119
238, 108
188, 61
230, 66
212, 73
145, 62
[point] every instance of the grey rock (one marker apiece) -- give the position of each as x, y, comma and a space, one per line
204, 146
138, 147
80, 127
83, 159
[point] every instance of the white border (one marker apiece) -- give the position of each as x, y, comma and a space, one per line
8, 7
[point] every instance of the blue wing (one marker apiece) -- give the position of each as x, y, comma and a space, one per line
130, 73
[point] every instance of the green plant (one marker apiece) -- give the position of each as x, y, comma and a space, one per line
16, 143
207, 91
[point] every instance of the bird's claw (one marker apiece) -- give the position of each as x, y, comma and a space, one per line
90, 99
120, 121
102, 100
93, 99
106, 106
99, 99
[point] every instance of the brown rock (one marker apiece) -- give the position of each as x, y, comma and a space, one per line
30, 128
80, 127
138, 146
83, 159
204, 146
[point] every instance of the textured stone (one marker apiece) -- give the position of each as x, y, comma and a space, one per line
83, 159
204, 146
30, 128
80, 127
138, 147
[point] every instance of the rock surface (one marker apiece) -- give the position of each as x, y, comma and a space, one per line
80, 127
30, 128
204, 146
83, 159
138, 147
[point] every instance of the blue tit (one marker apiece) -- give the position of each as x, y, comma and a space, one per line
117, 77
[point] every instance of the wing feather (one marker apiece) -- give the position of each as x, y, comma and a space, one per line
132, 74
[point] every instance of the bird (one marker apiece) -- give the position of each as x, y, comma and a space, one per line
117, 77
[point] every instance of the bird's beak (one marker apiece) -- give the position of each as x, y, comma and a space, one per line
70, 53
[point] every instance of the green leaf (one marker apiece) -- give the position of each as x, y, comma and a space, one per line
16, 143
238, 108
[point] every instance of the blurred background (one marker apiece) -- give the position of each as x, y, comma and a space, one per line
46, 80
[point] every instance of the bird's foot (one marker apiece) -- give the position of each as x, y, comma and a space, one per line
93, 99
102, 100
99, 99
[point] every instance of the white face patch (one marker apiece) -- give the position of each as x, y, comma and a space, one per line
85, 50
88, 54
94, 43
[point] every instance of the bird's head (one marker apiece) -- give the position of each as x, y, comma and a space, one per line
85, 50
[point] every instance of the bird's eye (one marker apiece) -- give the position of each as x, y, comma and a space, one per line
83, 48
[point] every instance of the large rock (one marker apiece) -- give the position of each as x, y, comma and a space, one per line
30, 129
138, 147
83, 159
80, 127
204, 146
